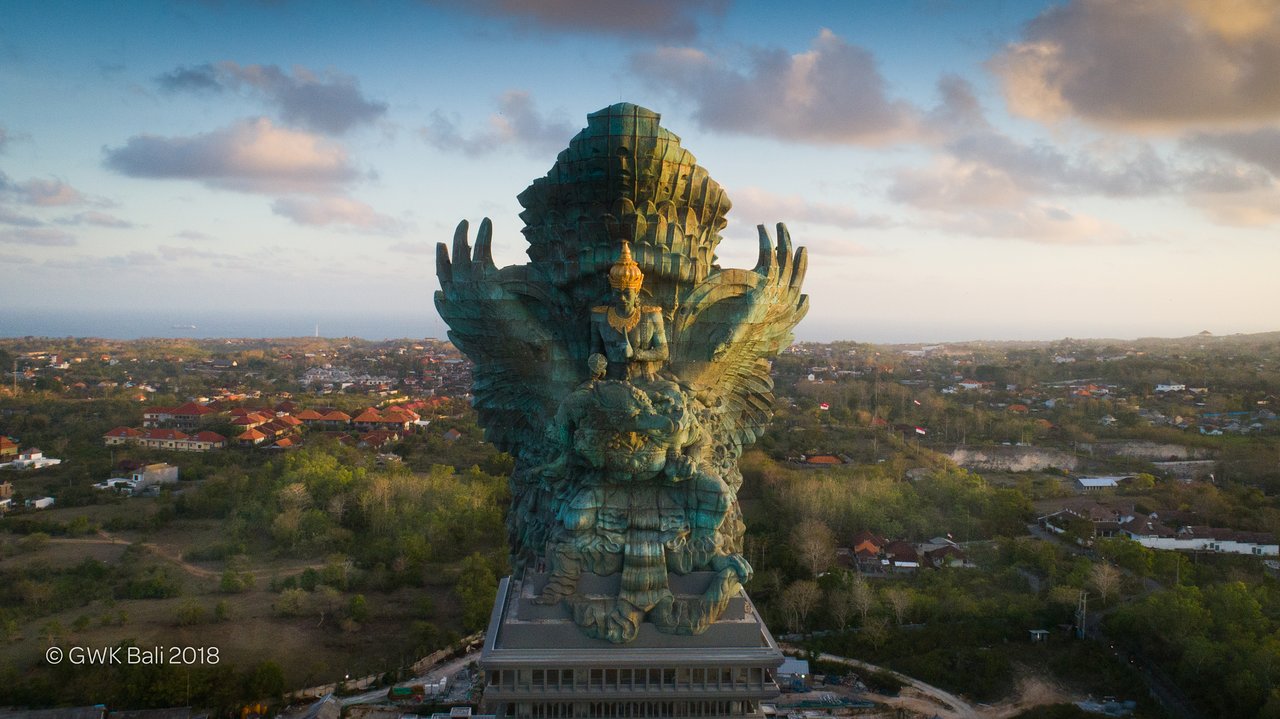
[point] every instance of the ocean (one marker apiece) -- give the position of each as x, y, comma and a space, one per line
125, 325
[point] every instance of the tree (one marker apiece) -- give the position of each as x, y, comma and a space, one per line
799, 600
476, 588
814, 544
862, 597
326, 600
1105, 579
900, 600
841, 606
876, 631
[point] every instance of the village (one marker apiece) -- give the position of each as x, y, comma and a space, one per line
1106, 476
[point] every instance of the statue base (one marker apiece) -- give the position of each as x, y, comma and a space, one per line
538, 664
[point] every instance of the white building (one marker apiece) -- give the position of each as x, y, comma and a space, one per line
31, 459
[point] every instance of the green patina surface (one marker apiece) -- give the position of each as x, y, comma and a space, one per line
625, 371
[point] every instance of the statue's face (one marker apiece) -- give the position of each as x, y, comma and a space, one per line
626, 298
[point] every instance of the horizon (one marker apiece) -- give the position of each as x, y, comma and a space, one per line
171, 326
1009, 171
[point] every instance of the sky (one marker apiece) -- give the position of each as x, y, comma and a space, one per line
958, 170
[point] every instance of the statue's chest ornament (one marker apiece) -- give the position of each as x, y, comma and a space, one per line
623, 324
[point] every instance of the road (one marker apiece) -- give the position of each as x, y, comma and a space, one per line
451, 668
936, 701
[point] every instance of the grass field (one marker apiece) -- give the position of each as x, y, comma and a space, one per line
310, 648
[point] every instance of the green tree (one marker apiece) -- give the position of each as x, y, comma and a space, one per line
476, 588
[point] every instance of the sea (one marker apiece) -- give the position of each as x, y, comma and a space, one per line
124, 325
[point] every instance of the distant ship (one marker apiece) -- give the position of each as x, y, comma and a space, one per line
182, 327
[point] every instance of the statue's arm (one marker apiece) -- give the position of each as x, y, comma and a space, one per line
656, 350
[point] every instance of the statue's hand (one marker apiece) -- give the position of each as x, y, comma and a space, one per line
680, 467
736, 562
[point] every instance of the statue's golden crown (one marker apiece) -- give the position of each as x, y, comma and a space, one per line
625, 273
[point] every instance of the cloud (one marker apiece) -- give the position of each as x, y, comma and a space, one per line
7, 217
666, 19
831, 94
250, 156
414, 248
756, 206
4, 138
952, 185
99, 219
1259, 147
324, 211
41, 236
517, 122
41, 193
331, 103
131, 260
194, 235
196, 78
1155, 65
11, 259
1254, 207
1042, 223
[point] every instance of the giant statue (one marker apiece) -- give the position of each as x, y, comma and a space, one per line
625, 371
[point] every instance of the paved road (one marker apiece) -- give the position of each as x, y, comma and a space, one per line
949, 705
451, 668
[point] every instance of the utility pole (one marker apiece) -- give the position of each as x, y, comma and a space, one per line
1082, 614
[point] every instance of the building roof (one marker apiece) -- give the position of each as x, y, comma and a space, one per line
191, 408
824, 459
309, 415
207, 436
251, 434
369, 415
165, 434
124, 432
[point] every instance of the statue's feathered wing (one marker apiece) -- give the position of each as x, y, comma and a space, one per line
508, 324
748, 315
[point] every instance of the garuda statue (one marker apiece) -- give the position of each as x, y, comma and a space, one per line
625, 371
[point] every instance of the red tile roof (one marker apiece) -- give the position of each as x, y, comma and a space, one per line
369, 415
117, 432
337, 416
251, 434
191, 408
309, 415
165, 434
207, 436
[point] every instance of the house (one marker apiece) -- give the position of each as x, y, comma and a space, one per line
31, 458
204, 441
41, 503
336, 419
121, 435
154, 475
117, 484
1149, 532
823, 460
1104, 519
793, 675
379, 438
1093, 484
187, 416
162, 439
8, 449
6, 490
901, 556
453, 435
1171, 387
250, 438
